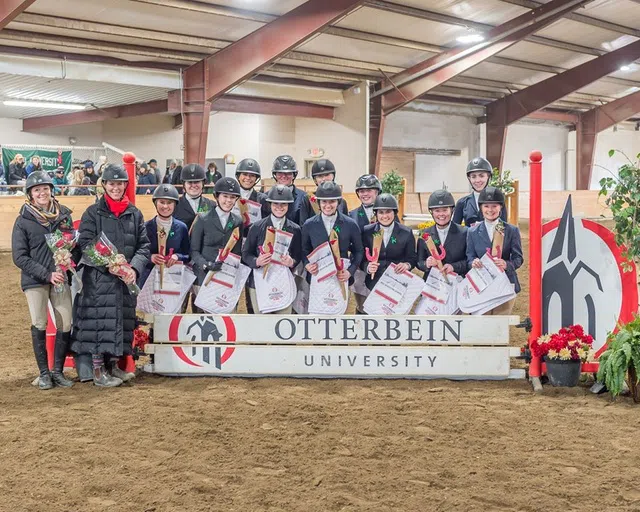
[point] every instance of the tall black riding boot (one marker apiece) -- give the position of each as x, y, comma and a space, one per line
39, 341
59, 357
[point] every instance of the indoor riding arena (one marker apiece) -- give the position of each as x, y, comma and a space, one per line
319, 255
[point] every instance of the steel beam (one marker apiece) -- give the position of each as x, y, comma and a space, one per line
250, 105
9, 9
207, 44
246, 57
550, 115
195, 111
480, 27
220, 10
407, 85
508, 110
376, 134
593, 122
581, 18
32, 124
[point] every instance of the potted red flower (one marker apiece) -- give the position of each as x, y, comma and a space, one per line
563, 352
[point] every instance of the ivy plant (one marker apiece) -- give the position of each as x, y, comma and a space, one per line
621, 356
502, 180
392, 183
622, 194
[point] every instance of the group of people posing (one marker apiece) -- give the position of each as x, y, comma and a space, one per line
99, 325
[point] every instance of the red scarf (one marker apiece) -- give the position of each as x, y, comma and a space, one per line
117, 207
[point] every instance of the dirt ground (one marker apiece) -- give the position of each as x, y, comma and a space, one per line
208, 444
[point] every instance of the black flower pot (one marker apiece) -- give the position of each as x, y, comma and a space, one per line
563, 373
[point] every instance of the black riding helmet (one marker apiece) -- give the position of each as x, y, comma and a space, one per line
441, 199
479, 164
321, 167
114, 172
280, 194
491, 195
284, 163
328, 190
166, 191
38, 178
193, 172
369, 181
227, 185
248, 166
385, 202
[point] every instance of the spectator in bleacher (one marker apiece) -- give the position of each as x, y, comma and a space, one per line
41, 215
86, 189
60, 182
90, 172
102, 163
17, 171
146, 177
153, 165
3, 181
34, 165
213, 174
76, 182
176, 176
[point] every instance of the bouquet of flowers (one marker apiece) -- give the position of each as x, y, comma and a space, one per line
102, 253
568, 343
61, 243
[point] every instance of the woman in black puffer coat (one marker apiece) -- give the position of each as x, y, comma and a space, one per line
105, 311
42, 215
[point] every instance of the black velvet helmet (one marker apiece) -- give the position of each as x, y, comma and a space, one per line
385, 202
491, 195
328, 190
368, 181
227, 185
280, 194
114, 173
441, 199
193, 172
166, 191
479, 164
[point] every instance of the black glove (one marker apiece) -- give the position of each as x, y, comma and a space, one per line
212, 266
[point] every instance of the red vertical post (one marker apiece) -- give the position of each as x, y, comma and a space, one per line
127, 363
129, 160
535, 254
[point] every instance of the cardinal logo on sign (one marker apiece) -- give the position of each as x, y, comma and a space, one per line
203, 330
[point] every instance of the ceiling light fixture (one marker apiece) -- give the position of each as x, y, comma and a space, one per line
625, 68
470, 38
44, 104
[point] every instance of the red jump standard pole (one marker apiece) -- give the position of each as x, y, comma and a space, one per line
127, 364
535, 261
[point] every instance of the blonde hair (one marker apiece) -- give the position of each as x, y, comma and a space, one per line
78, 175
15, 158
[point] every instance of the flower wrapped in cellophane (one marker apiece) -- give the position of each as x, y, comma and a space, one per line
61, 243
102, 253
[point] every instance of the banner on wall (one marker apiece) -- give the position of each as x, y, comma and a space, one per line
50, 159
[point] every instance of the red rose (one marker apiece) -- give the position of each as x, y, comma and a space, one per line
103, 249
425, 236
68, 236
60, 243
313, 199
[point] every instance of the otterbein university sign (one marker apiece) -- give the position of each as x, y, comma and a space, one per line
343, 346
